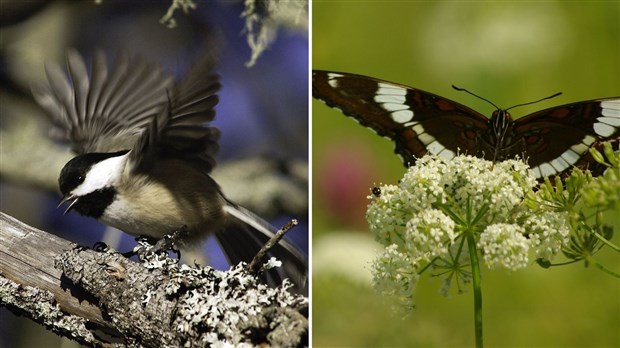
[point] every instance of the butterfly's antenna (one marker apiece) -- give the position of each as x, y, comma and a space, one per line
539, 100
475, 95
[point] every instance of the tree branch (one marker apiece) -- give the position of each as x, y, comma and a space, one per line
150, 304
256, 262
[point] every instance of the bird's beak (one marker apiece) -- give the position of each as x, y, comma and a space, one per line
72, 198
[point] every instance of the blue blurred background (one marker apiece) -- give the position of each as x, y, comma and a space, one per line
262, 113
508, 52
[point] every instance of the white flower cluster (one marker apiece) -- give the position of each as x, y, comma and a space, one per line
427, 233
547, 232
395, 275
504, 246
439, 201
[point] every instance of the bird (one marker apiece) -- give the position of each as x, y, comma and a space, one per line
145, 150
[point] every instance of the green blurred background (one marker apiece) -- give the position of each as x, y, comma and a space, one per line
508, 52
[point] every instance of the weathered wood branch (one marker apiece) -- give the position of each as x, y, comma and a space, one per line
80, 293
27, 258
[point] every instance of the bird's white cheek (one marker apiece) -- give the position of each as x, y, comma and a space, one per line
106, 173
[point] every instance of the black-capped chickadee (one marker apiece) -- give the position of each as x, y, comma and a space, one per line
145, 154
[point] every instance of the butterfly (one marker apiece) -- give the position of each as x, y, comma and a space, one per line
552, 141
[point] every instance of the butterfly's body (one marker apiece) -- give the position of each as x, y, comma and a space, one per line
552, 141
500, 140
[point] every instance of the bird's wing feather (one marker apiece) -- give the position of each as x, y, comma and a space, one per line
179, 130
108, 110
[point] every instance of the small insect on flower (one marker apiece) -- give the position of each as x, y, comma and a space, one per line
376, 191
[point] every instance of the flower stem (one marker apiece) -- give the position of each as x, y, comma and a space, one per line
606, 270
477, 286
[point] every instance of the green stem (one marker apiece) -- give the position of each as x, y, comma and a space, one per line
605, 269
477, 285
605, 241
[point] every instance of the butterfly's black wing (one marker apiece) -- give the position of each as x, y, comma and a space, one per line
552, 141
558, 138
417, 122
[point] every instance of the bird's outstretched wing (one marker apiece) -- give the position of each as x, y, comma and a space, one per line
179, 130
134, 105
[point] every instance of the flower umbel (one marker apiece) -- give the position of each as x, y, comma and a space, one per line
394, 274
504, 245
428, 234
426, 220
588, 205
